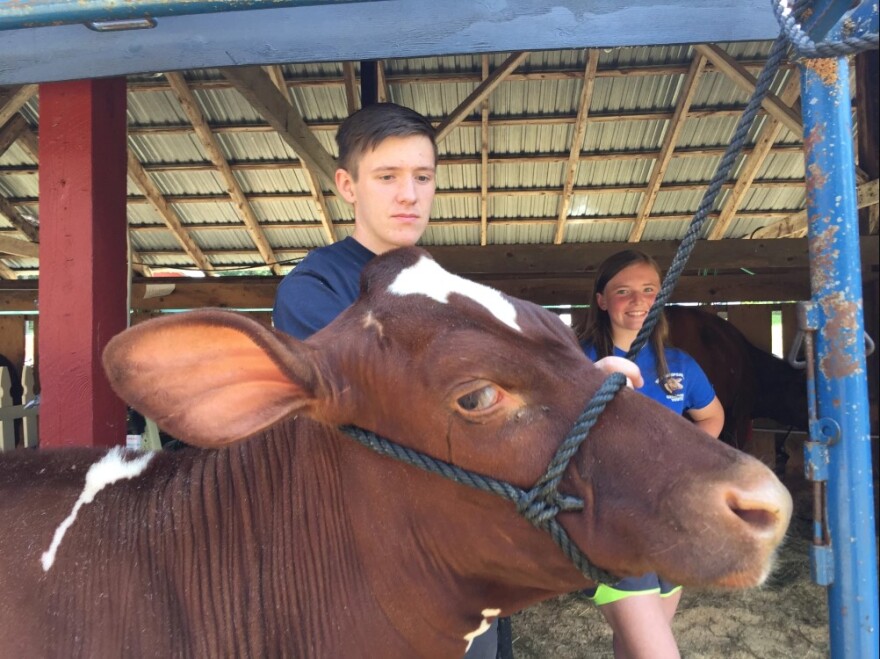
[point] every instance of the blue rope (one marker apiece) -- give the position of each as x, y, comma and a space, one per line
806, 47
541, 504
762, 86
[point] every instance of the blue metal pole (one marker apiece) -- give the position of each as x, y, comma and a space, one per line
847, 562
35, 13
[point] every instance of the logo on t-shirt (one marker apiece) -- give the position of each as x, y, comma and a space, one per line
673, 386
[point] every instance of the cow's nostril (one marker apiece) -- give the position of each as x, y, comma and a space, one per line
765, 508
760, 519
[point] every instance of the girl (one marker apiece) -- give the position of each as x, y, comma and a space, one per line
640, 609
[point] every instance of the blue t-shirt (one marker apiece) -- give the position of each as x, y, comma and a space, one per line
690, 386
320, 288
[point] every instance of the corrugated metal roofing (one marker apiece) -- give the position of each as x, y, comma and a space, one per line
532, 118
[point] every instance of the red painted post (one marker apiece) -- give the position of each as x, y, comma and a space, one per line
83, 269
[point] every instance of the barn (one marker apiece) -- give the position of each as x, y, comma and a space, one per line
567, 131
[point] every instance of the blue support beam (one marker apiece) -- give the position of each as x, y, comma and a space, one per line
373, 30
846, 558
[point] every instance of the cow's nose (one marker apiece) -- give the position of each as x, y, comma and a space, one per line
763, 505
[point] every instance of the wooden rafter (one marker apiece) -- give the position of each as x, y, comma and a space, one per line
670, 139
494, 159
469, 222
172, 221
795, 225
315, 190
13, 127
542, 191
254, 84
752, 165
27, 229
11, 131
382, 81
212, 148
554, 119
16, 247
577, 143
479, 94
737, 73
484, 161
473, 77
12, 99
352, 96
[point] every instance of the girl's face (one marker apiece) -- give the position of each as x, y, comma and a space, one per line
628, 296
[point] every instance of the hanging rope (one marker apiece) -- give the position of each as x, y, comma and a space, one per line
806, 48
762, 86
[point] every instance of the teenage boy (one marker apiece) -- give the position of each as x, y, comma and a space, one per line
387, 172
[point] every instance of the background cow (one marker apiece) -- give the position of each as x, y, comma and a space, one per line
300, 542
750, 383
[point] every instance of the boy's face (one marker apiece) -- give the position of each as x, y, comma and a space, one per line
393, 193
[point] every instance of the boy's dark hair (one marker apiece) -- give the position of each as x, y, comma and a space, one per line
364, 130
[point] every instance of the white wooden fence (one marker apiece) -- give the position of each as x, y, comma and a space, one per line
27, 411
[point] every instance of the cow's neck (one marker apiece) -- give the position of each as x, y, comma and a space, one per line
423, 579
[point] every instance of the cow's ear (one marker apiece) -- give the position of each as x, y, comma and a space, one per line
211, 377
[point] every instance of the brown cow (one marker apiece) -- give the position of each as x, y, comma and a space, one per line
749, 382
300, 542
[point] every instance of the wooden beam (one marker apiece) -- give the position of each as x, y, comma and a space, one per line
670, 139
12, 99
577, 143
494, 159
212, 148
737, 73
795, 225
549, 268
17, 247
11, 131
29, 140
11, 213
382, 82
483, 90
7, 273
484, 161
169, 216
583, 259
449, 77
254, 84
555, 119
352, 95
315, 190
752, 165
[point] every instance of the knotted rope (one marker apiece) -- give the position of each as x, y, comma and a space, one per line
543, 502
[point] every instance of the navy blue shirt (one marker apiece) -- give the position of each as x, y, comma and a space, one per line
320, 288
689, 387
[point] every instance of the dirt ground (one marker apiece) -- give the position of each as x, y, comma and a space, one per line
785, 618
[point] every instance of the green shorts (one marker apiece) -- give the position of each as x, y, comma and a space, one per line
630, 586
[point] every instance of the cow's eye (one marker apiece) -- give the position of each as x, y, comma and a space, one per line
481, 399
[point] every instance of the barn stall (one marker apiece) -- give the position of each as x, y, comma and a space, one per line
563, 138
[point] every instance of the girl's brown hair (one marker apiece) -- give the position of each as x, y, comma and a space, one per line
596, 331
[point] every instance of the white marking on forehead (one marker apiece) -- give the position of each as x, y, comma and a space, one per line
106, 471
484, 626
428, 278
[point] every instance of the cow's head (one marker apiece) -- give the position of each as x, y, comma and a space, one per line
481, 380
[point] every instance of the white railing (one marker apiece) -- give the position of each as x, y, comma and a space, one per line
27, 411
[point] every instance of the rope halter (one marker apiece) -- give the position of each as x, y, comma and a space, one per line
543, 502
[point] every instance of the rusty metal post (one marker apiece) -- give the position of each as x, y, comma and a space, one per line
847, 562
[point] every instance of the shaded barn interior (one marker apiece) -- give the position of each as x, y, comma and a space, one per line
549, 161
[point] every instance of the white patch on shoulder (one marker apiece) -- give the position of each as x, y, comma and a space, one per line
485, 623
109, 469
428, 278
